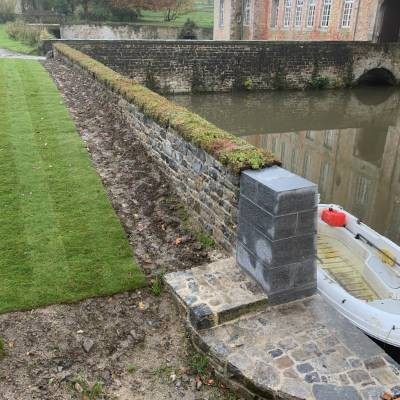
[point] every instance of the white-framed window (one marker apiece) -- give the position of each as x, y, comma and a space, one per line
323, 178
264, 141
306, 164
347, 12
247, 12
298, 13
221, 12
326, 13
329, 138
311, 13
310, 135
273, 144
362, 189
287, 16
274, 13
293, 161
283, 151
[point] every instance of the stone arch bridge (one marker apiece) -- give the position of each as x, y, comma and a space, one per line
207, 66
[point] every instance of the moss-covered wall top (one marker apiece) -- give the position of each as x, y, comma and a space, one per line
231, 151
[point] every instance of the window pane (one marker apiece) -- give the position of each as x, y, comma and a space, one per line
299, 12
326, 13
329, 138
306, 164
283, 151
274, 13
247, 10
347, 11
311, 13
362, 189
221, 12
288, 13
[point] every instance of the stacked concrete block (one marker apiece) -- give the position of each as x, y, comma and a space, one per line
277, 232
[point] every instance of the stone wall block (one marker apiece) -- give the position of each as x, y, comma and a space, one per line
277, 222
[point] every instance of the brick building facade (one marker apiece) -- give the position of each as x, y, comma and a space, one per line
349, 20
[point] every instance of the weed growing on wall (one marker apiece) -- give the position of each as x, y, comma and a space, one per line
318, 82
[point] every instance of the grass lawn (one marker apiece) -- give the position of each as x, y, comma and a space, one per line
202, 15
60, 239
7, 43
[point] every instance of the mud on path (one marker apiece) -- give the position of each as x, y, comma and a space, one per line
128, 346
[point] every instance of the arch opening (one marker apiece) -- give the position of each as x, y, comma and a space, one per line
390, 21
377, 77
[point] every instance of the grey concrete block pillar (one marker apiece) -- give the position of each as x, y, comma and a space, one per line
277, 232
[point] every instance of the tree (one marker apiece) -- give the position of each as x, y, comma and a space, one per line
7, 10
188, 30
171, 8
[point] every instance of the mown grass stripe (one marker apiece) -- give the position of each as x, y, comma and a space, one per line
71, 244
38, 231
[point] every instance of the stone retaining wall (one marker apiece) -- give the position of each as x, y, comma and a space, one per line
121, 32
277, 210
209, 189
184, 66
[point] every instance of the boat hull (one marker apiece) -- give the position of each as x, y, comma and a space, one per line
377, 315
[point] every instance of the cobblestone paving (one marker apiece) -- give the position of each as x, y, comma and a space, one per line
300, 350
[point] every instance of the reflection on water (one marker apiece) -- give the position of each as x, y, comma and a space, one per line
345, 141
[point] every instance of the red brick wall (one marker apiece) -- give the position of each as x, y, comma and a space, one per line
361, 26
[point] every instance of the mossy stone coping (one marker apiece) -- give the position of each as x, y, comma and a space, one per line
231, 151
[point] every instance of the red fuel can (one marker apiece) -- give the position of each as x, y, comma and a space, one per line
334, 217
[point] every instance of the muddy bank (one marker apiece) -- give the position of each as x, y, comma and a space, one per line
128, 346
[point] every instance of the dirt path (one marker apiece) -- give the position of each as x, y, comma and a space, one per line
129, 346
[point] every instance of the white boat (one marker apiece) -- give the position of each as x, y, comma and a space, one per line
359, 275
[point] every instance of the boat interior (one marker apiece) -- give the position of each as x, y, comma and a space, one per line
356, 266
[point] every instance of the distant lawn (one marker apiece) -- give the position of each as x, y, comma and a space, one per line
202, 15
7, 43
60, 239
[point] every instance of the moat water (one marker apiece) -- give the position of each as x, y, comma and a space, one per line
348, 142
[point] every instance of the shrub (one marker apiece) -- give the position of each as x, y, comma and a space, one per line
319, 82
248, 84
7, 10
28, 34
188, 30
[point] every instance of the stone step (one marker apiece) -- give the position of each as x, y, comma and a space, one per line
216, 293
302, 350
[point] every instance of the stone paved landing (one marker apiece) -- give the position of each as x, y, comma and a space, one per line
300, 350
216, 293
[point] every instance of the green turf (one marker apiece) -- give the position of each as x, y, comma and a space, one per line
60, 240
202, 15
7, 43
